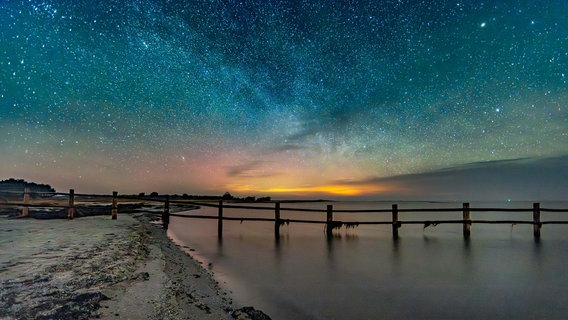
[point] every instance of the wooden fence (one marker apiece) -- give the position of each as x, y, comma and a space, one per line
70, 205
395, 222
330, 224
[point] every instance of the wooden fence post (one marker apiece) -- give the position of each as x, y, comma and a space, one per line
277, 220
536, 220
467, 221
329, 220
114, 211
26, 210
166, 213
71, 209
220, 220
395, 223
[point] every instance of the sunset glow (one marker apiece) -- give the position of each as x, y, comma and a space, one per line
337, 190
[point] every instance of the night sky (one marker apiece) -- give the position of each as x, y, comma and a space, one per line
318, 98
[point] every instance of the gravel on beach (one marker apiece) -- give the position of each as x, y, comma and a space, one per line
98, 268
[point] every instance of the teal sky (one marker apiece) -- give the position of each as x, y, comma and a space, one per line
287, 98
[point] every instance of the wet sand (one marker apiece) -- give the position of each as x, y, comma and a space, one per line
98, 268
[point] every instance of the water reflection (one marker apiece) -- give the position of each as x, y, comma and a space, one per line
277, 241
329, 242
500, 272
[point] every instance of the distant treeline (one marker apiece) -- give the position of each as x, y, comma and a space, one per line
18, 185
227, 196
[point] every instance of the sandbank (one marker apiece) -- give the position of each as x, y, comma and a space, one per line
98, 268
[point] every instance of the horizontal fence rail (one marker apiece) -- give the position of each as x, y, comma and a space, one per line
331, 224
67, 201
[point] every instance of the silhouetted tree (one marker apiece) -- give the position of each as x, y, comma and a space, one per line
227, 196
19, 185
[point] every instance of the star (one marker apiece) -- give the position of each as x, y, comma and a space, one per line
207, 98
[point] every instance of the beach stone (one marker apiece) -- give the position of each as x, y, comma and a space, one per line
77, 307
142, 276
249, 313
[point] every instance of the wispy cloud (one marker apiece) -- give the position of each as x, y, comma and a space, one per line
516, 179
287, 147
251, 169
243, 169
304, 133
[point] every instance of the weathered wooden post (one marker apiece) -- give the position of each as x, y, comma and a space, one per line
329, 220
277, 220
71, 209
466, 221
220, 220
395, 223
114, 211
26, 209
166, 213
536, 220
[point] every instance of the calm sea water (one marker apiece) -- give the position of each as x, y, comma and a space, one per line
362, 273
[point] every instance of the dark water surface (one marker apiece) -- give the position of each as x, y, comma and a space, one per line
362, 273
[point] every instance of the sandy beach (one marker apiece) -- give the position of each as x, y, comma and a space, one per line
98, 268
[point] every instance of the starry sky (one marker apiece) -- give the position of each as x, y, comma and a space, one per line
377, 99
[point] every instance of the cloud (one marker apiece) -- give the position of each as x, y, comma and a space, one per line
251, 169
284, 148
531, 179
307, 131
242, 169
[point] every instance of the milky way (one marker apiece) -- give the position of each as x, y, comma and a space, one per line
268, 97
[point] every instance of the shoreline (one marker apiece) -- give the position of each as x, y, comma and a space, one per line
98, 268
181, 288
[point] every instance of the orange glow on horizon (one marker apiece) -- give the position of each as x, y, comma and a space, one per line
336, 189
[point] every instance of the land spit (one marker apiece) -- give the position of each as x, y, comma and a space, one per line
94, 267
